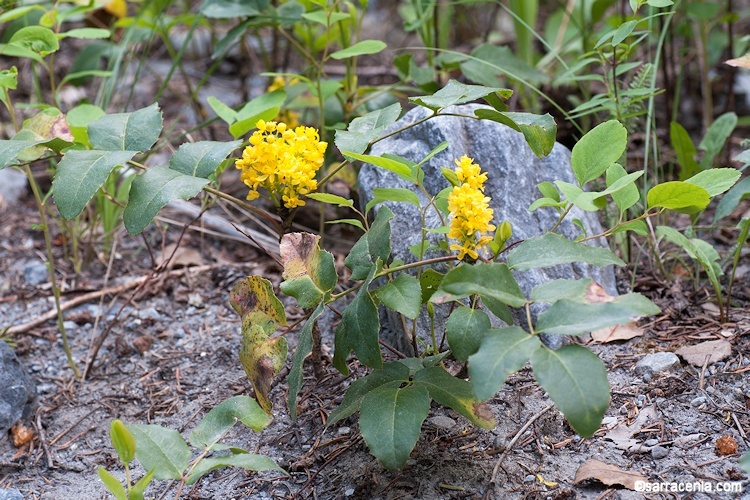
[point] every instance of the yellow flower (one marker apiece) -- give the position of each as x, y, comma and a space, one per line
291, 118
283, 161
471, 215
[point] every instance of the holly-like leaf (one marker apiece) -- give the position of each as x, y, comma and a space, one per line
161, 449
403, 295
453, 93
80, 174
576, 380
539, 131
223, 416
151, 191
503, 351
465, 329
390, 421
201, 159
555, 290
262, 314
487, 280
393, 374
136, 131
373, 245
9, 150
552, 249
597, 150
678, 196
455, 393
358, 330
304, 347
598, 310
309, 272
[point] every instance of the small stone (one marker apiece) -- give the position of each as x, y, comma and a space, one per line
10, 494
442, 422
530, 478
657, 363
659, 452
343, 431
195, 300
698, 401
349, 492
70, 326
499, 443
35, 273
710, 389
149, 313
651, 442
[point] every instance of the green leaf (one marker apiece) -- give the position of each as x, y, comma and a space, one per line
555, 290
112, 484
248, 461
597, 150
453, 93
80, 174
684, 149
123, 441
359, 330
161, 449
715, 180
352, 222
222, 110
399, 168
576, 380
627, 196
660, 3
637, 226
223, 416
393, 374
325, 17
623, 31
745, 462
539, 131
400, 195
304, 347
487, 280
697, 249
262, 313
455, 393
37, 39
373, 245
390, 421
465, 329
264, 107
330, 199
86, 33
201, 159
568, 317
9, 150
365, 129
552, 249
136, 492
403, 295
429, 282
503, 351
487, 61
151, 191
716, 135
728, 202
232, 9
136, 131
359, 49
79, 118
678, 196
309, 272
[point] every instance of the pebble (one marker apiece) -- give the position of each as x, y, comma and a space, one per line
10, 494
35, 273
13, 186
498, 443
442, 422
349, 492
344, 430
651, 442
70, 326
657, 363
149, 313
530, 478
698, 401
710, 389
659, 452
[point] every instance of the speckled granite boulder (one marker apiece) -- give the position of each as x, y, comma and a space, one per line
513, 174
17, 390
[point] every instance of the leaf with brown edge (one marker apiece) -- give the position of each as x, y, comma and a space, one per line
262, 314
607, 474
617, 332
309, 272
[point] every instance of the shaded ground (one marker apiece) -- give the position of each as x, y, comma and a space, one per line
171, 355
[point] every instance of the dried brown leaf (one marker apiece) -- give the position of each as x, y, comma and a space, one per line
740, 62
715, 350
726, 445
617, 332
21, 435
607, 474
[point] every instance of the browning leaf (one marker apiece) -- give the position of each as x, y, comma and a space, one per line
607, 474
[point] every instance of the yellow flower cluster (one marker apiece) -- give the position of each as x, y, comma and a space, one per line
470, 211
282, 160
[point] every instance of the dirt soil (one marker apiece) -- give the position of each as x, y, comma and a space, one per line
170, 354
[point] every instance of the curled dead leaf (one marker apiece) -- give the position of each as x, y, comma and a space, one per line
595, 294
740, 62
607, 474
22, 435
617, 332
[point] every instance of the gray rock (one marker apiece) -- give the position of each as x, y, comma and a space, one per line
657, 363
149, 313
35, 273
659, 452
513, 174
10, 494
442, 422
17, 390
13, 185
